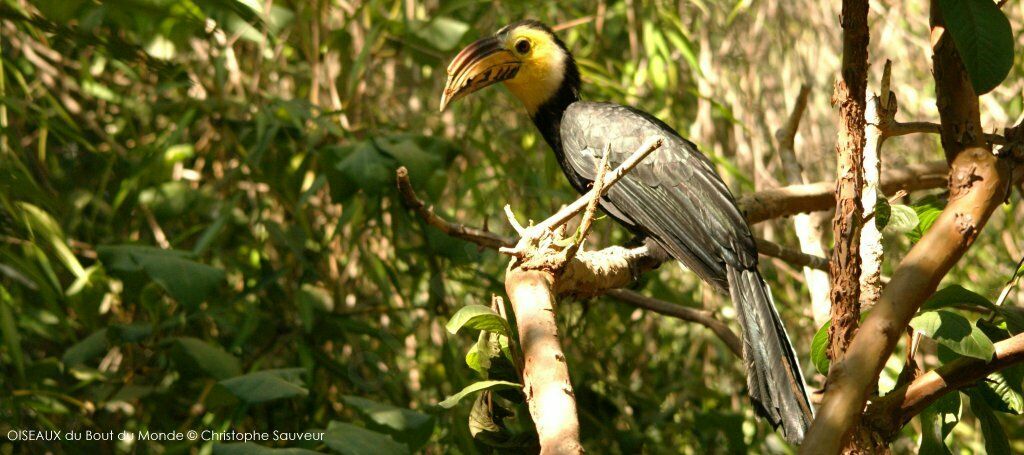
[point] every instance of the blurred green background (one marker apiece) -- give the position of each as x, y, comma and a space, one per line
199, 227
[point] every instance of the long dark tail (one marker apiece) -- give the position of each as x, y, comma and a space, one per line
773, 370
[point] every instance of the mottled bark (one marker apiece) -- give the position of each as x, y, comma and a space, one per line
846, 225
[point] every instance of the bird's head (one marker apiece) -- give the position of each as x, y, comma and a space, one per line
527, 56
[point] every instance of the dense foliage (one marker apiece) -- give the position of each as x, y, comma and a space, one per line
199, 228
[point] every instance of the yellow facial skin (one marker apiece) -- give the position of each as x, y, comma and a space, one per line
527, 60
542, 68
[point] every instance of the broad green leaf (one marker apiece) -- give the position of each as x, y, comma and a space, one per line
902, 218
478, 317
1014, 317
209, 358
476, 387
995, 437
955, 332
129, 333
348, 439
441, 33
819, 348
359, 167
937, 421
479, 356
405, 425
89, 348
185, 280
955, 295
928, 209
267, 385
983, 39
1003, 390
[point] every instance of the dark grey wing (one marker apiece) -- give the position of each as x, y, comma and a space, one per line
674, 196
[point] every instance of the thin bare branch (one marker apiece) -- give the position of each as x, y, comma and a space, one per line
702, 317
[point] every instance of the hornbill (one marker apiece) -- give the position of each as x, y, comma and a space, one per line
674, 199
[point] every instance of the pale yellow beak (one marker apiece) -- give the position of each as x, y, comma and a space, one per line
480, 64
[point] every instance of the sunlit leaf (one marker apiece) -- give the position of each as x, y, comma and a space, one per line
956, 295
954, 332
819, 348
902, 218
476, 387
478, 317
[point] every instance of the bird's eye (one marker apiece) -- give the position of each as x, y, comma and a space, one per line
523, 46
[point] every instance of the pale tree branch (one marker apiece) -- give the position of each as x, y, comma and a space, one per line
793, 199
879, 112
807, 226
530, 281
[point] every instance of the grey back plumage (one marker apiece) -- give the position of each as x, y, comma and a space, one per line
676, 198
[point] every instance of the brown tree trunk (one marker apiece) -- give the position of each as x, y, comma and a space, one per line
846, 225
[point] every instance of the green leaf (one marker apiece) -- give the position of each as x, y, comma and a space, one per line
1014, 317
819, 349
405, 425
476, 387
902, 219
209, 358
348, 439
45, 227
937, 421
995, 437
1003, 390
955, 295
955, 332
983, 39
883, 212
359, 167
267, 385
185, 280
928, 209
89, 348
9, 328
441, 33
478, 317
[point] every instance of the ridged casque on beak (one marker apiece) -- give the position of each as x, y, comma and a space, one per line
480, 64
